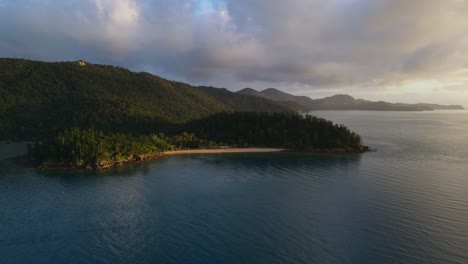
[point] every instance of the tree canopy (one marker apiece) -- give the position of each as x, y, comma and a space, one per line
41, 98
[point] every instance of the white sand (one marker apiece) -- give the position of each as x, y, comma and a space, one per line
227, 150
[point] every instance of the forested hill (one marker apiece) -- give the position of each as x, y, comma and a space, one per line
243, 102
40, 98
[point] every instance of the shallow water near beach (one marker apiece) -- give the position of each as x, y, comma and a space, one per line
405, 203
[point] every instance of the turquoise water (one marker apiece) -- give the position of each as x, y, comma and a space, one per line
406, 203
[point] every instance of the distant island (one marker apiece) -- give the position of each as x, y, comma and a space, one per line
343, 102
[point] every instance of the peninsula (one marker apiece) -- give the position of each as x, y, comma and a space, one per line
218, 133
84, 115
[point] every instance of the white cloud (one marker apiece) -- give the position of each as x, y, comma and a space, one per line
118, 12
117, 23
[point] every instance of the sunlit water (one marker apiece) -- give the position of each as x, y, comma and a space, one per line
406, 203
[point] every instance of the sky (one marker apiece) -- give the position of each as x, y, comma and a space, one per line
394, 50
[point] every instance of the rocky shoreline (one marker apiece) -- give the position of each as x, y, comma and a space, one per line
27, 162
101, 165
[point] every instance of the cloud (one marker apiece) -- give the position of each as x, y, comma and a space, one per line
119, 12
361, 45
118, 21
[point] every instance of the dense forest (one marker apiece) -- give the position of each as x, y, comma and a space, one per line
95, 115
284, 130
243, 102
90, 147
38, 99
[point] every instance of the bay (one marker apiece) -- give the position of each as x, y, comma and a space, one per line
405, 203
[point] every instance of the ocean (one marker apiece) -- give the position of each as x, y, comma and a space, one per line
405, 203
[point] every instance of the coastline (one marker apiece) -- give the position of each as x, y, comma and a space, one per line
25, 161
222, 150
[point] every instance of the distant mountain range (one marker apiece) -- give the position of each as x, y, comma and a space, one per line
342, 102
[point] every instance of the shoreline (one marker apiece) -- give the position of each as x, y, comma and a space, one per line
222, 150
25, 160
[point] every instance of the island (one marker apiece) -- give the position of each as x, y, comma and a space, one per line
84, 115
342, 102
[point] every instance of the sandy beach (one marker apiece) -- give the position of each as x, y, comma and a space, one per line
228, 150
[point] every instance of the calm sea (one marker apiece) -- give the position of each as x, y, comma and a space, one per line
406, 203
